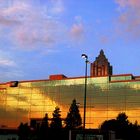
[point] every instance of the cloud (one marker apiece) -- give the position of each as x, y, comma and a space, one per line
104, 39
9, 68
33, 25
77, 32
6, 60
58, 6
7, 22
45, 32
129, 18
128, 3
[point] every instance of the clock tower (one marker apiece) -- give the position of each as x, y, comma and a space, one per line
101, 66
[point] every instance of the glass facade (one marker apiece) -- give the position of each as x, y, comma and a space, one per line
106, 97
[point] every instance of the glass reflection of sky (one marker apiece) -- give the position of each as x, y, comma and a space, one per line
104, 100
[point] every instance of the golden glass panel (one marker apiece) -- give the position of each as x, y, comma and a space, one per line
34, 114
104, 100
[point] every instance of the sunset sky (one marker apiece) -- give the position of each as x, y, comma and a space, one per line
43, 37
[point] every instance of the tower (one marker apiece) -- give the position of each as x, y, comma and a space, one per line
101, 66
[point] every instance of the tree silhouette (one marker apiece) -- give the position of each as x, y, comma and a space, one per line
56, 120
109, 125
123, 128
44, 123
23, 131
73, 119
122, 118
44, 128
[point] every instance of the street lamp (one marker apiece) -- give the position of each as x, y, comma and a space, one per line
85, 91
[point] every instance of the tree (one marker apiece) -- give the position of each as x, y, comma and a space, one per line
73, 119
122, 118
23, 131
123, 128
56, 120
109, 125
44, 123
44, 128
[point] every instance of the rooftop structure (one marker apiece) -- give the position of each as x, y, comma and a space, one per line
101, 66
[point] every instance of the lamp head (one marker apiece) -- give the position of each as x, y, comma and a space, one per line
84, 56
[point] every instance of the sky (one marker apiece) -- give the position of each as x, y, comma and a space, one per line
39, 38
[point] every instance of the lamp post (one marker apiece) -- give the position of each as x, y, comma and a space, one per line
85, 91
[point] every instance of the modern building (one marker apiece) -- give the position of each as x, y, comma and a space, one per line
107, 95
